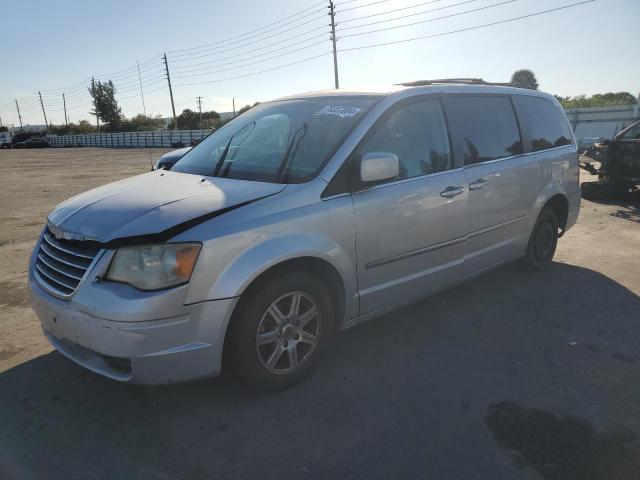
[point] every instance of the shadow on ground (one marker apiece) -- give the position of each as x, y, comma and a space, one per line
403, 396
628, 208
563, 448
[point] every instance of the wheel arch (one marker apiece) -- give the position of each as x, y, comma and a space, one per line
555, 199
319, 267
559, 203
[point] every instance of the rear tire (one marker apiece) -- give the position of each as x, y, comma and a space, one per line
281, 330
542, 244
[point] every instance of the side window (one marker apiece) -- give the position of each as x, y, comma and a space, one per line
486, 125
632, 134
545, 122
417, 134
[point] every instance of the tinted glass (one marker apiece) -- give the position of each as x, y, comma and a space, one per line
486, 125
545, 122
632, 134
284, 142
417, 134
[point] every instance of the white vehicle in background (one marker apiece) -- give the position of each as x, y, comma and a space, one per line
5, 140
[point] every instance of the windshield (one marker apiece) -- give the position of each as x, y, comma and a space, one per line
287, 141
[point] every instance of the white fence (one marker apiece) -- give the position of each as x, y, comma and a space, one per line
163, 138
602, 122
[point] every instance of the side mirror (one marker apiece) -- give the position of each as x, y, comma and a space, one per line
376, 166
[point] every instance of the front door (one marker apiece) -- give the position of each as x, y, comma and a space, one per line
410, 229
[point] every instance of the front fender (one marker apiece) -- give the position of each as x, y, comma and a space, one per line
244, 269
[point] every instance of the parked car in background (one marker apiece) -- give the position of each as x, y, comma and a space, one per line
5, 139
168, 160
33, 143
619, 171
19, 138
300, 217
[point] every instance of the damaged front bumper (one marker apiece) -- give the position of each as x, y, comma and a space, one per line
133, 336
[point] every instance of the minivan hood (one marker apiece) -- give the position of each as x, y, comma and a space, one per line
151, 204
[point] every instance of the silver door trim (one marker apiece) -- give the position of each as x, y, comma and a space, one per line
447, 243
352, 322
496, 226
419, 251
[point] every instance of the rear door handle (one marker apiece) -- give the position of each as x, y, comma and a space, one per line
451, 191
478, 184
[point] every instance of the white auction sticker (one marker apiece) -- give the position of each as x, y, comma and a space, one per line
339, 110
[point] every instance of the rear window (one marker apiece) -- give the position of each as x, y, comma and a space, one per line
486, 126
545, 122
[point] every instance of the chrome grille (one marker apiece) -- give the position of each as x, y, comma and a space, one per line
61, 264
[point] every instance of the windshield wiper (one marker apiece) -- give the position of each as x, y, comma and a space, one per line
291, 149
216, 170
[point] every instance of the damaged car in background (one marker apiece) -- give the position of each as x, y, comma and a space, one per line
619, 165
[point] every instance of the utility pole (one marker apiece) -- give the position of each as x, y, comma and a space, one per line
95, 103
43, 112
144, 109
200, 111
234, 107
64, 103
173, 108
332, 13
19, 116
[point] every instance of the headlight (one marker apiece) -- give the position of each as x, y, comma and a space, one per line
154, 267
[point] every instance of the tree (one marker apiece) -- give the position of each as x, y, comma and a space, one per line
190, 120
525, 79
598, 100
4, 129
105, 105
247, 107
83, 127
141, 123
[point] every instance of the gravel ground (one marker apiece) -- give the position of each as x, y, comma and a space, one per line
507, 376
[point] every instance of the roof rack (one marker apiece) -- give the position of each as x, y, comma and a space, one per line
462, 81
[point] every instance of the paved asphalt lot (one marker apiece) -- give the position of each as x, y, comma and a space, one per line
510, 376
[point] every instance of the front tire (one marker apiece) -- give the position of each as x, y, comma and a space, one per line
281, 329
542, 244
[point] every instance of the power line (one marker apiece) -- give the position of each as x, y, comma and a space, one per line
256, 73
475, 27
403, 16
233, 46
205, 55
209, 72
391, 11
421, 21
237, 59
83, 83
361, 6
253, 31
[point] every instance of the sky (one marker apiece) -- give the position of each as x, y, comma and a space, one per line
224, 50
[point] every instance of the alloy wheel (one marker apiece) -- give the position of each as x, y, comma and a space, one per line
288, 332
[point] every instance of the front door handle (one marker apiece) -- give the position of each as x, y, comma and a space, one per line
478, 184
451, 191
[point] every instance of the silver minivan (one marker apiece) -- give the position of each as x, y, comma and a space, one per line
301, 217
